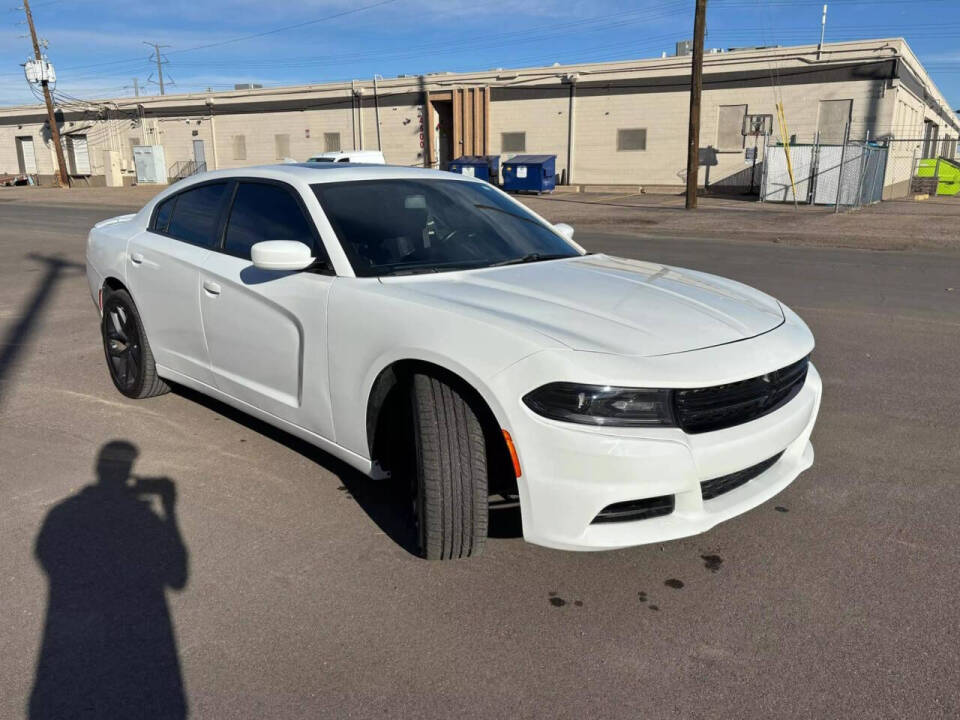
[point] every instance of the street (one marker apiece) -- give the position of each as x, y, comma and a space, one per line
838, 598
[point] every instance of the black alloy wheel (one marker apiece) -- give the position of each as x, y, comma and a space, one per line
129, 358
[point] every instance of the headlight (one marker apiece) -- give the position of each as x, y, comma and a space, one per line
602, 405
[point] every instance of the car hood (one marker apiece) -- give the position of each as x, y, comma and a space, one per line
598, 303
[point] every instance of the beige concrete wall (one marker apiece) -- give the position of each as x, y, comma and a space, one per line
601, 112
541, 114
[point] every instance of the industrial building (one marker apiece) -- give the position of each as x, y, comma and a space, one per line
610, 123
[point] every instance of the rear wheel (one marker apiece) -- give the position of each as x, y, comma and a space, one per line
129, 358
450, 471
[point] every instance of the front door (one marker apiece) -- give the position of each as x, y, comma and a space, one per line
163, 272
26, 156
266, 330
199, 155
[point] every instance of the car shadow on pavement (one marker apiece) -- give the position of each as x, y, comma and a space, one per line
110, 552
386, 503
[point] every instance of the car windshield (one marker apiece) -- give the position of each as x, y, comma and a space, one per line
321, 159
402, 227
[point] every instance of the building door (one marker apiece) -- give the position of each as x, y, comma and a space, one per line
930, 133
78, 156
199, 155
26, 156
443, 132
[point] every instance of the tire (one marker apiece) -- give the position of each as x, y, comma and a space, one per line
450, 472
127, 351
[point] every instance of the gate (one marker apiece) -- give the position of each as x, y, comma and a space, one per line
849, 175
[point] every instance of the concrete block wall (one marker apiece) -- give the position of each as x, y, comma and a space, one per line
540, 113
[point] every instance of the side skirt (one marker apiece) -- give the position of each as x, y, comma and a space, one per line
348, 456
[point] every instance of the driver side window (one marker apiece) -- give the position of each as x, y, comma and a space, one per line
263, 211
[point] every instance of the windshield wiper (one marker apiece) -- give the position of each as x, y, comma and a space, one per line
529, 258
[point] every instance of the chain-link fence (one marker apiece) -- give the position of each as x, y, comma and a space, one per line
848, 175
856, 173
912, 166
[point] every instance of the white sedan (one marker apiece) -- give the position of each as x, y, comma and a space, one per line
427, 329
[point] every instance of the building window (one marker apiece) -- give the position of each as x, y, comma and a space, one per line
239, 147
833, 120
632, 139
513, 142
730, 127
282, 145
331, 142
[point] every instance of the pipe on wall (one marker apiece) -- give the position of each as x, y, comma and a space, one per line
376, 106
571, 80
213, 134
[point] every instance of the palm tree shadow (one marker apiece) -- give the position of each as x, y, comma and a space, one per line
108, 647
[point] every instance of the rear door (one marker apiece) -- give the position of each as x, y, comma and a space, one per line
266, 330
163, 271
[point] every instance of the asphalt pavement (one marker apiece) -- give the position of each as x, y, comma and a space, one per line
275, 582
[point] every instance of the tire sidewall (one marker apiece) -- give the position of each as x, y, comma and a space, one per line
419, 515
122, 299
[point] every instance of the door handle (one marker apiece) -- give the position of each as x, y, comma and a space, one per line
211, 287
136, 258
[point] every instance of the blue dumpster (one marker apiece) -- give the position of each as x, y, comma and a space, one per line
530, 173
494, 164
473, 165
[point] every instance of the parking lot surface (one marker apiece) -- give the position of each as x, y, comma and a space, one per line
281, 587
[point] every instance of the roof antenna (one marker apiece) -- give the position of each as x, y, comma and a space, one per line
823, 29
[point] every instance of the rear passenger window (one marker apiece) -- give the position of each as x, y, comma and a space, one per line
195, 215
264, 212
164, 211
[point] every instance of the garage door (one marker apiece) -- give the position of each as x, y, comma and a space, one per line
26, 156
79, 156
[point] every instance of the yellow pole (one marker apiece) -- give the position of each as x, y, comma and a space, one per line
786, 149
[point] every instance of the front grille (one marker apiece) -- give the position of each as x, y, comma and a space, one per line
636, 510
725, 483
721, 406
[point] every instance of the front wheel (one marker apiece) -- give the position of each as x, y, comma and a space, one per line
129, 358
450, 491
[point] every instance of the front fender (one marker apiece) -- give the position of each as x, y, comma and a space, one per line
369, 329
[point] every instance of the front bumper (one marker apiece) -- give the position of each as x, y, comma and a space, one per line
572, 472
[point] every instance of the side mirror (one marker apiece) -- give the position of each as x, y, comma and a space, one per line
565, 230
281, 255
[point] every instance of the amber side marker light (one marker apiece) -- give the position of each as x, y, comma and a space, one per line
513, 453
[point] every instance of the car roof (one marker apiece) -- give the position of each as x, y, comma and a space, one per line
312, 173
349, 153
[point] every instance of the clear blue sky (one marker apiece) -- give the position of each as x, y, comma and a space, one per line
97, 47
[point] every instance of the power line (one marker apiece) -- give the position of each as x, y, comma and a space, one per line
285, 28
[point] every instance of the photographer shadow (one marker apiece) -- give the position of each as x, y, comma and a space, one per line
108, 647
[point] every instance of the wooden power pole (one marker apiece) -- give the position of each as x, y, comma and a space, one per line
696, 89
63, 178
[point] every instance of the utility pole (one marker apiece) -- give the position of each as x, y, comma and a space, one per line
136, 87
160, 62
63, 179
696, 89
